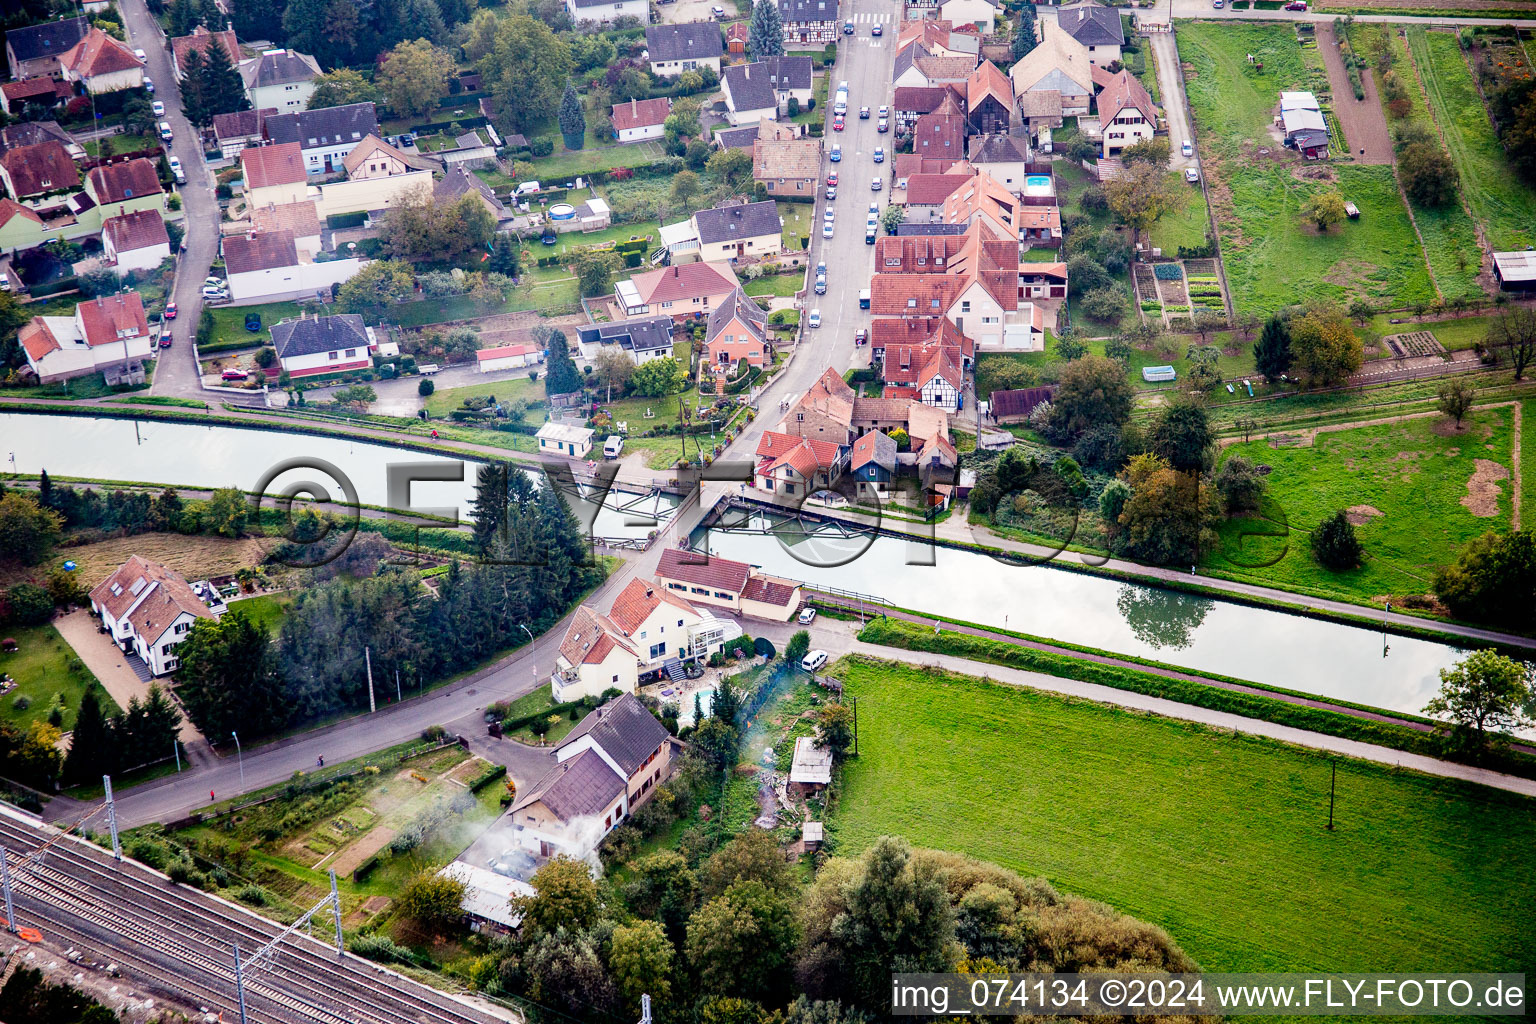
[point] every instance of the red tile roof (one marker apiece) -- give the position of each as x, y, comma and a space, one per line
590, 638
200, 40
116, 183
932, 189
98, 54
137, 230
40, 168
260, 250
151, 595
641, 113
11, 208
1053, 271
102, 318
28, 89
916, 254
913, 294
690, 280
1122, 91
705, 570
940, 134
637, 601
804, 455
986, 81
282, 164
769, 590
504, 350
921, 98
37, 339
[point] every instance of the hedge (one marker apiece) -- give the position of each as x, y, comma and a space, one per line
252, 341
514, 724
363, 870
345, 220
63, 284
487, 777
466, 123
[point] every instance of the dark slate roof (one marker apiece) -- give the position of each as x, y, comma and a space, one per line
753, 85
49, 39
323, 334
1020, 402
30, 133
807, 10
738, 305
279, 67
694, 40
1092, 25
456, 181
932, 229
737, 138
625, 729
328, 126
642, 334
997, 148
577, 787
905, 58
743, 220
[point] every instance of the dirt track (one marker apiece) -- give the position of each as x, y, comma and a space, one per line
1364, 123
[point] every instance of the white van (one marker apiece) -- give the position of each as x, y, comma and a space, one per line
613, 446
165, 130
813, 661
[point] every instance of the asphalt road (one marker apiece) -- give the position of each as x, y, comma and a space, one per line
175, 371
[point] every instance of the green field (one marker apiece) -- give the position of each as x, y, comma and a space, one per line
442, 402
41, 666
1233, 103
229, 321
1502, 205
1219, 839
265, 610
1414, 472
778, 285
1185, 226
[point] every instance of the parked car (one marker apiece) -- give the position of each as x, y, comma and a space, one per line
217, 282
527, 188
165, 131
831, 192
176, 172
883, 125
821, 284
813, 661
1218, 4
847, 28
1296, 5
170, 311
836, 155
863, 113
879, 154
861, 336
876, 185
143, 57
837, 124
1187, 149
1192, 175
717, 11
233, 375
613, 447
832, 179
807, 616
821, 268
815, 320
149, 85
826, 230
885, 111
214, 291
828, 214
165, 338
158, 108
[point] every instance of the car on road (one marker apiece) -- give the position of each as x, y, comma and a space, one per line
143, 57
847, 28
826, 230
828, 213
170, 311
165, 131
837, 124
863, 113
717, 11
1296, 5
879, 154
876, 185
878, 30
836, 155
1192, 175
821, 267
861, 336
813, 661
832, 180
1218, 4
883, 125
1187, 149
815, 320
158, 108
807, 616
149, 85
821, 284
884, 110
176, 171
165, 339
831, 192
233, 375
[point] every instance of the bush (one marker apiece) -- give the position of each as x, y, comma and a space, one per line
543, 145
30, 604
426, 387
381, 948
1334, 543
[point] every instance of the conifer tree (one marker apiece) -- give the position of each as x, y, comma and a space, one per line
765, 36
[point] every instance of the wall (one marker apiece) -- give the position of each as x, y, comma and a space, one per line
361, 195
284, 282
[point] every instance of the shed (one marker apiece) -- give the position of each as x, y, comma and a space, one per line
811, 769
565, 439
813, 832
488, 895
1352, 210
1516, 271
506, 357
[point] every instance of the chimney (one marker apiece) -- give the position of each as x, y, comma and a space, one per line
746, 70
633, 107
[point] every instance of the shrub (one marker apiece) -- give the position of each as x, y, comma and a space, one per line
543, 145
426, 387
1334, 543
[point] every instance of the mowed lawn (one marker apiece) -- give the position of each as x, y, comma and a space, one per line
1415, 473
41, 665
441, 402
1233, 102
1219, 839
1504, 206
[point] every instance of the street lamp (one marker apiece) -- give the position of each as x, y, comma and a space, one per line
239, 758
533, 647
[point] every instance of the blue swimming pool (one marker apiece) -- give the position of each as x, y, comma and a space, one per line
1037, 181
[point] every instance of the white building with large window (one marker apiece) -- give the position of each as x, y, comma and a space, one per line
148, 610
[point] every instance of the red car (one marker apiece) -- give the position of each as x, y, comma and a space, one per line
832, 178
837, 125
1296, 5
170, 311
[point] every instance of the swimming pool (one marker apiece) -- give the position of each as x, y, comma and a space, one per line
1038, 185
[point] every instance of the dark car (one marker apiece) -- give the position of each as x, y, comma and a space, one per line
878, 30
847, 28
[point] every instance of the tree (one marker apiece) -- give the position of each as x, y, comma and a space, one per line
420, 227
560, 376
1240, 485
1086, 274
659, 377
753, 856
194, 102
27, 530
358, 396
223, 89
432, 899
1334, 543
1141, 196
1069, 345
902, 439
258, 19
1170, 516
741, 942
526, 71
1361, 311
664, 889
595, 270
798, 647
341, 87
573, 118
1492, 580
505, 258
732, 166
228, 677
1456, 398
1181, 433
565, 896
376, 287
1203, 374
182, 17
1093, 390
425, 387
38, 757
1104, 304
1324, 348
613, 369
1024, 33
1428, 174
1512, 334
91, 748
1484, 692
641, 961
414, 77
1324, 209
30, 604
1272, 352
685, 185
1151, 150
834, 729
892, 217
765, 36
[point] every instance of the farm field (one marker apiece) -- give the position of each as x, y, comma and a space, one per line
1417, 490
1219, 839
195, 557
1504, 206
1232, 102
43, 664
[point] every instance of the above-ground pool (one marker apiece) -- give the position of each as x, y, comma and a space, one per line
562, 211
1038, 185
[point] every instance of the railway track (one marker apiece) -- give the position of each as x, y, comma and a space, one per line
182, 941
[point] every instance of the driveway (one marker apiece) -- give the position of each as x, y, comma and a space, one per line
1170, 83
1363, 121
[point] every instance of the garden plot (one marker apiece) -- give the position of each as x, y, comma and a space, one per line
1146, 291
1414, 343
1170, 289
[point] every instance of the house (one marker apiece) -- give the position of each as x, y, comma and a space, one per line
1097, 28
872, 463
740, 229
933, 69
281, 79
810, 771
905, 73
916, 254
33, 174
704, 579
1014, 406
1058, 64
605, 11
737, 331
606, 767
639, 120
1039, 226
925, 358
744, 137
302, 220
274, 175
457, 181
265, 266
941, 134
594, 656
977, 290
981, 13
105, 332
809, 21
1043, 280
34, 50
1515, 271
908, 103
148, 609
758, 91
507, 357
988, 99
125, 187
1041, 113
641, 339
135, 241
43, 92
787, 167
736, 38
687, 47
374, 158
824, 412
692, 289
20, 228
564, 440
488, 894
323, 344
938, 38
324, 136
200, 40
985, 198
1003, 157
233, 132
1127, 114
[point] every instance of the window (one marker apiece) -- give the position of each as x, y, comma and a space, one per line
934, 303
642, 634
351, 352
965, 307
658, 650
333, 356
615, 677
723, 595
911, 303
679, 623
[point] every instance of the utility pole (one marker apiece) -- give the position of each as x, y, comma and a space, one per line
368, 661
239, 758
239, 984
1333, 785
398, 698
336, 909
5, 884
117, 849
